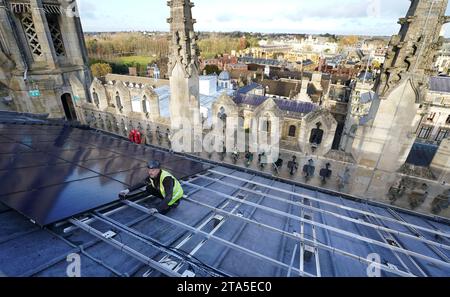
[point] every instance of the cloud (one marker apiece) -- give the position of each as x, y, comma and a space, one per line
359, 9
87, 9
368, 17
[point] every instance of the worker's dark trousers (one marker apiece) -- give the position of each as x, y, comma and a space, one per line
154, 192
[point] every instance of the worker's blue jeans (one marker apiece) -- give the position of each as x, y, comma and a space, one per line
156, 193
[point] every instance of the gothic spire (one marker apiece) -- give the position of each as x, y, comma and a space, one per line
183, 47
413, 50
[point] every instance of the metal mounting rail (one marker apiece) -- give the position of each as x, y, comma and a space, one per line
349, 219
434, 248
292, 261
126, 249
142, 237
443, 234
383, 237
336, 230
214, 238
92, 220
216, 229
203, 224
316, 250
287, 234
299, 238
302, 244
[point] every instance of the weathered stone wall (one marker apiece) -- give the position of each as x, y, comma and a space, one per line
31, 61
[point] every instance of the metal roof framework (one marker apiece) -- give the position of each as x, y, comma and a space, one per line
313, 245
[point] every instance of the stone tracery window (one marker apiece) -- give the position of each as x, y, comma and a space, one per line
292, 131
55, 32
95, 97
118, 101
267, 126
144, 104
29, 29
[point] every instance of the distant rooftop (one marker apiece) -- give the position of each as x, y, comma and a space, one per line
208, 77
251, 60
440, 84
283, 104
250, 87
137, 80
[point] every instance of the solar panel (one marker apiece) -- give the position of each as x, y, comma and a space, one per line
32, 178
50, 173
27, 159
7, 148
51, 204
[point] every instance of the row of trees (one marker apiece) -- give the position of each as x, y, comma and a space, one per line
100, 67
108, 46
107, 50
112, 46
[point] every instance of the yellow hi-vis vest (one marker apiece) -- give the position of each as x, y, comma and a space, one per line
177, 189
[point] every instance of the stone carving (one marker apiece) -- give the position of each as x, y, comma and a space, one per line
344, 179
115, 125
100, 122
441, 202
93, 120
109, 125
123, 128
396, 192
412, 51
418, 196
415, 192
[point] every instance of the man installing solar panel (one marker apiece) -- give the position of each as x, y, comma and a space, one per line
161, 184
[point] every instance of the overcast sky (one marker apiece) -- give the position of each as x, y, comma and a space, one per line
365, 17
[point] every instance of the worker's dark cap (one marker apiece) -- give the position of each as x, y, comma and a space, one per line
154, 165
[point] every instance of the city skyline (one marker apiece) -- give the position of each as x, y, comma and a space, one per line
367, 17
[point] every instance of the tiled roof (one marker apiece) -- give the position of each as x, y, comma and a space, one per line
283, 104
248, 88
440, 84
295, 106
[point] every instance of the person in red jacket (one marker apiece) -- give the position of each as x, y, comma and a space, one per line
135, 136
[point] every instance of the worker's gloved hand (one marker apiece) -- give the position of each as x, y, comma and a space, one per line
153, 211
123, 194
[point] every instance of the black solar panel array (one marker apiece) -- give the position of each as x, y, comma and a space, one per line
283, 104
296, 106
440, 84
50, 173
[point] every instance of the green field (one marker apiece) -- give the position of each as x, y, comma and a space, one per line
142, 60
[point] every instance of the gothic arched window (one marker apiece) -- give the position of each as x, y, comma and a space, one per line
144, 104
316, 135
118, 101
267, 126
89, 99
292, 131
95, 97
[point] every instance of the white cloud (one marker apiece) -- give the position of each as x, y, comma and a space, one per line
298, 16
